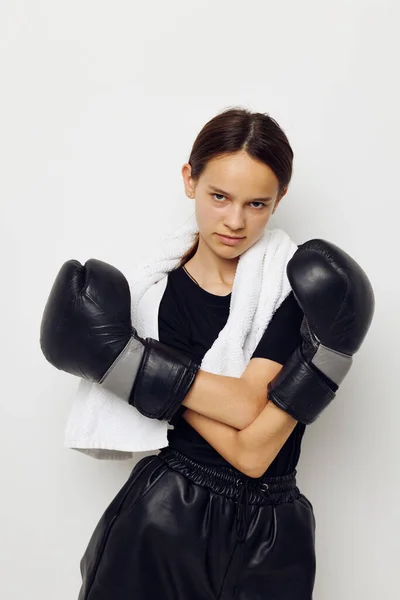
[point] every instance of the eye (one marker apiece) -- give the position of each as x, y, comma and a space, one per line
221, 195
262, 205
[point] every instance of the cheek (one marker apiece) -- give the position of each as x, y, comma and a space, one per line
259, 222
206, 215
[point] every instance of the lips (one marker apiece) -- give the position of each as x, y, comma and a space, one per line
229, 241
229, 236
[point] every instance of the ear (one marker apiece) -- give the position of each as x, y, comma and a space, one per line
188, 180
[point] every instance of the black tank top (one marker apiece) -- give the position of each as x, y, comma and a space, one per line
190, 318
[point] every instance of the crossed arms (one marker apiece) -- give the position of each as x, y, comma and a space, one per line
236, 418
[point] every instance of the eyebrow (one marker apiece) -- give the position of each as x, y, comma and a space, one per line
215, 189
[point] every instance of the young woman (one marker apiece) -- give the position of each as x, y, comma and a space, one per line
217, 514
193, 534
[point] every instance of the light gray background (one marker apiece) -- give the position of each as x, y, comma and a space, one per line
100, 103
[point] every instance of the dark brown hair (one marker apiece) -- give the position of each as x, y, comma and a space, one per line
236, 129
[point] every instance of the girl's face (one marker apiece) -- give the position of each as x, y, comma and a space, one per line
235, 196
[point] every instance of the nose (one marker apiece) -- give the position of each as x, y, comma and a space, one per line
235, 219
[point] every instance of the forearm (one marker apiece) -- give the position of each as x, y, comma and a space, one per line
223, 438
229, 400
261, 441
252, 449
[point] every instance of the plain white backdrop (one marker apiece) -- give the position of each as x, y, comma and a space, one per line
100, 103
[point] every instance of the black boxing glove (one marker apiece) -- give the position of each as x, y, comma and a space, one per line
86, 330
338, 303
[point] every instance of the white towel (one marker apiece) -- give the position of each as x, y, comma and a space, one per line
106, 426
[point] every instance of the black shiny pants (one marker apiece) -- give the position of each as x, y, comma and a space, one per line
182, 530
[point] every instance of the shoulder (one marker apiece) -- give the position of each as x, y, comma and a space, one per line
288, 310
282, 334
170, 302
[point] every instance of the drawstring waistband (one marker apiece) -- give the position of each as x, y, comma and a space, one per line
234, 484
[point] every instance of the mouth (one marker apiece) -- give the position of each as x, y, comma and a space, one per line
231, 237
229, 240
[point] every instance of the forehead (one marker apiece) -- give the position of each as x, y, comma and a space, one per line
241, 174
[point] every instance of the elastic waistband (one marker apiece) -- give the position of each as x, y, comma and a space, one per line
230, 482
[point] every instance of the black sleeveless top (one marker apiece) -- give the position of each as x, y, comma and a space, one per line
190, 318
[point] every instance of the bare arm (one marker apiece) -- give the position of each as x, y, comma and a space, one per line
252, 449
234, 401
259, 443
228, 400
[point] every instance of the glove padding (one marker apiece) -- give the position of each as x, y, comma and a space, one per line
337, 300
86, 330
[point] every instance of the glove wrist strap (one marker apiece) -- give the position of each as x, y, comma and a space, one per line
164, 378
299, 390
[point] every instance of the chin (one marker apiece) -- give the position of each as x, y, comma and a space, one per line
229, 252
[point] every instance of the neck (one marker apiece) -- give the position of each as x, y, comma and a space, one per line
212, 271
